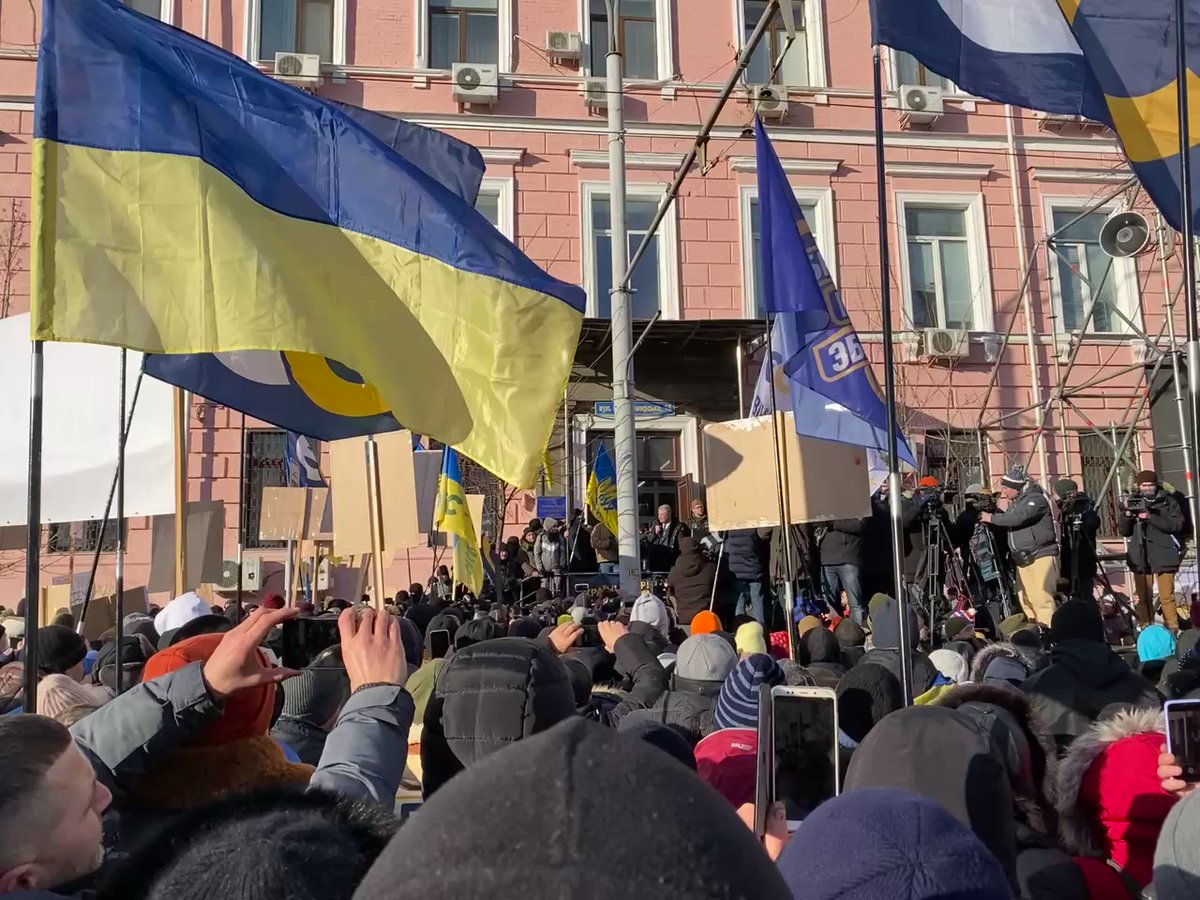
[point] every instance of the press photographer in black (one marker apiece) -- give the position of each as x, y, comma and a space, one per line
1078, 524
985, 555
1153, 521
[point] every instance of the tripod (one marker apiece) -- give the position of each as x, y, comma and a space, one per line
939, 551
993, 578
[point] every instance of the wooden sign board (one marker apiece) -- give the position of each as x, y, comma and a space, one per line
205, 546
397, 493
293, 514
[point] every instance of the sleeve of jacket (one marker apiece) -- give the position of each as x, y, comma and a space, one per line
909, 511
1168, 517
849, 526
1125, 524
365, 753
121, 738
636, 660
1022, 512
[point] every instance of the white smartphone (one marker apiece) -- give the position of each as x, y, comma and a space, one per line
1183, 735
804, 748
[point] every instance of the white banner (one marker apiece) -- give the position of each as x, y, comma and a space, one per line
80, 431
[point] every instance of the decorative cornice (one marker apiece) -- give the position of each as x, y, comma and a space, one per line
510, 156
939, 170
598, 159
1082, 176
792, 166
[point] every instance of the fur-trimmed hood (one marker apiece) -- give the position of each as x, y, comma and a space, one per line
1094, 806
992, 652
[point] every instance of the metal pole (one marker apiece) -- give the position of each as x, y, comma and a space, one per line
739, 355
568, 456
1180, 403
1189, 263
119, 625
241, 528
180, 407
33, 529
624, 428
889, 386
779, 457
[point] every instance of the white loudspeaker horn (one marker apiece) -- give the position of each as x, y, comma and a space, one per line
1125, 234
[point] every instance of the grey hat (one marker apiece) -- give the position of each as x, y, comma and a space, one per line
1177, 857
320, 689
1014, 478
705, 657
548, 524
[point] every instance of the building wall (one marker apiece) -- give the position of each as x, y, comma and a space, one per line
546, 152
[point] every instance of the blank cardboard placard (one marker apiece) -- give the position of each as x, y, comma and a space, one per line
348, 479
427, 468
824, 480
475, 505
205, 546
397, 487
284, 513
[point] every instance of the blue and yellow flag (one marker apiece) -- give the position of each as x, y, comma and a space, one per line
184, 202
452, 515
602, 490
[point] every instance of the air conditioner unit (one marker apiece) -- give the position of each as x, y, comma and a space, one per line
323, 568
477, 84
563, 44
769, 100
920, 105
251, 574
595, 93
944, 343
1143, 354
298, 65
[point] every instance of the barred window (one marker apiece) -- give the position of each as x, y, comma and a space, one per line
957, 458
1096, 457
265, 467
81, 537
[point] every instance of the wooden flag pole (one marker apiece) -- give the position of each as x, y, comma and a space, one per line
180, 415
375, 511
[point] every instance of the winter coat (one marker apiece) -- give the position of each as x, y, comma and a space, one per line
579, 545
748, 551
877, 539
637, 662
604, 542
1030, 524
691, 580
885, 637
661, 545
305, 738
1154, 544
1082, 679
688, 706
841, 542
550, 553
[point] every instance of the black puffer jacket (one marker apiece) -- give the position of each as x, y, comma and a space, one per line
1154, 544
841, 542
689, 706
1030, 524
748, 551
488, 696
691, 580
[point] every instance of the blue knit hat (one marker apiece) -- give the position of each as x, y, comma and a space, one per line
1155, 642
905, 848
737, 707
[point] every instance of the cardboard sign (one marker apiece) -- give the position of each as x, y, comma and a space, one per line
294, 514
397, 494
205, 546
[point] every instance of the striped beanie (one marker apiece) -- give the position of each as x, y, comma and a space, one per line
737, 707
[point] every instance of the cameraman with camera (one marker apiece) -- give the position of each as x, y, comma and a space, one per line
1153, 520
1032, 541
1079, 523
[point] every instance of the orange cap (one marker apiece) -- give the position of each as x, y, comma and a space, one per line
705, 622
927, 481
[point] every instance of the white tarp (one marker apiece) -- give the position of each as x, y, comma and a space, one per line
80, 431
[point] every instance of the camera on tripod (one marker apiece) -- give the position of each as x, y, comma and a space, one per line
932, 499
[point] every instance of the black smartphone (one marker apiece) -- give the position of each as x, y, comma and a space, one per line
439, 643
1183, 736
804, 746
764, 787
305, 637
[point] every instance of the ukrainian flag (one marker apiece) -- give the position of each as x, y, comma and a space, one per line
453, 516
186, 203
602, 490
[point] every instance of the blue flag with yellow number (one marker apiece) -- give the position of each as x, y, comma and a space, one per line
452, 515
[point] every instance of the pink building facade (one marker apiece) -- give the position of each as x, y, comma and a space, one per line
973, 192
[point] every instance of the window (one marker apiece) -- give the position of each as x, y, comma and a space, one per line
957, 458
909, 71
816, 208
1096, 457
463, 31
944, 268
795, 70
81, 537
296, 26
155, 9
657, 452
495, 203
655, 281
1083, 270
265, 467
637, 32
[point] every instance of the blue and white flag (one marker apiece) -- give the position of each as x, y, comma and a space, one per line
816, 363
302, 457
1019, 51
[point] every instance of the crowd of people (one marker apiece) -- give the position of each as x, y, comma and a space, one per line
593, 746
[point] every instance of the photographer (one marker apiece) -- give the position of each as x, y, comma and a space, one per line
1152, 519
1079, 523
976, 501
1032, 541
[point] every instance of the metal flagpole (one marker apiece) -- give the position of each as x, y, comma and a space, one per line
180, 408
624, 428
241, 533
779, 457
119, 600
1189, 262
889, 385
33, 529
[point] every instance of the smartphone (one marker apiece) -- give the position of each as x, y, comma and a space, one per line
439, 643
305, 637
1183, 735
804, 749
764, 788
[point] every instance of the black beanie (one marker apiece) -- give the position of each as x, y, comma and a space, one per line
303, 845
135, 650
1077, 620
211, 624
524, 627
577, 799
849, 634
477, 631
865, 695
319, 691
59, 649
414, 644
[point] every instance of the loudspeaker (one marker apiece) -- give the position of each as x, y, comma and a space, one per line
1125, 234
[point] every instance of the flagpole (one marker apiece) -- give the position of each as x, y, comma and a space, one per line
241, 527
889, 383
180, 425
1189, 262
33, 531
779, 457
119, 600
374, 510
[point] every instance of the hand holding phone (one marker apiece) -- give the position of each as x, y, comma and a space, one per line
1183, 746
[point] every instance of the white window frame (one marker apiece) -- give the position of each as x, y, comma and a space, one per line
504, 191
664, 43
668, 235
686, 428
977, 250
814, 33
166, 12
824, 236
253, 32
894, 76
504, 35
1124, 270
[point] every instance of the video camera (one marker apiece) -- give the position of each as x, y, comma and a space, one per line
932, 499
1136, 502
984, 502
